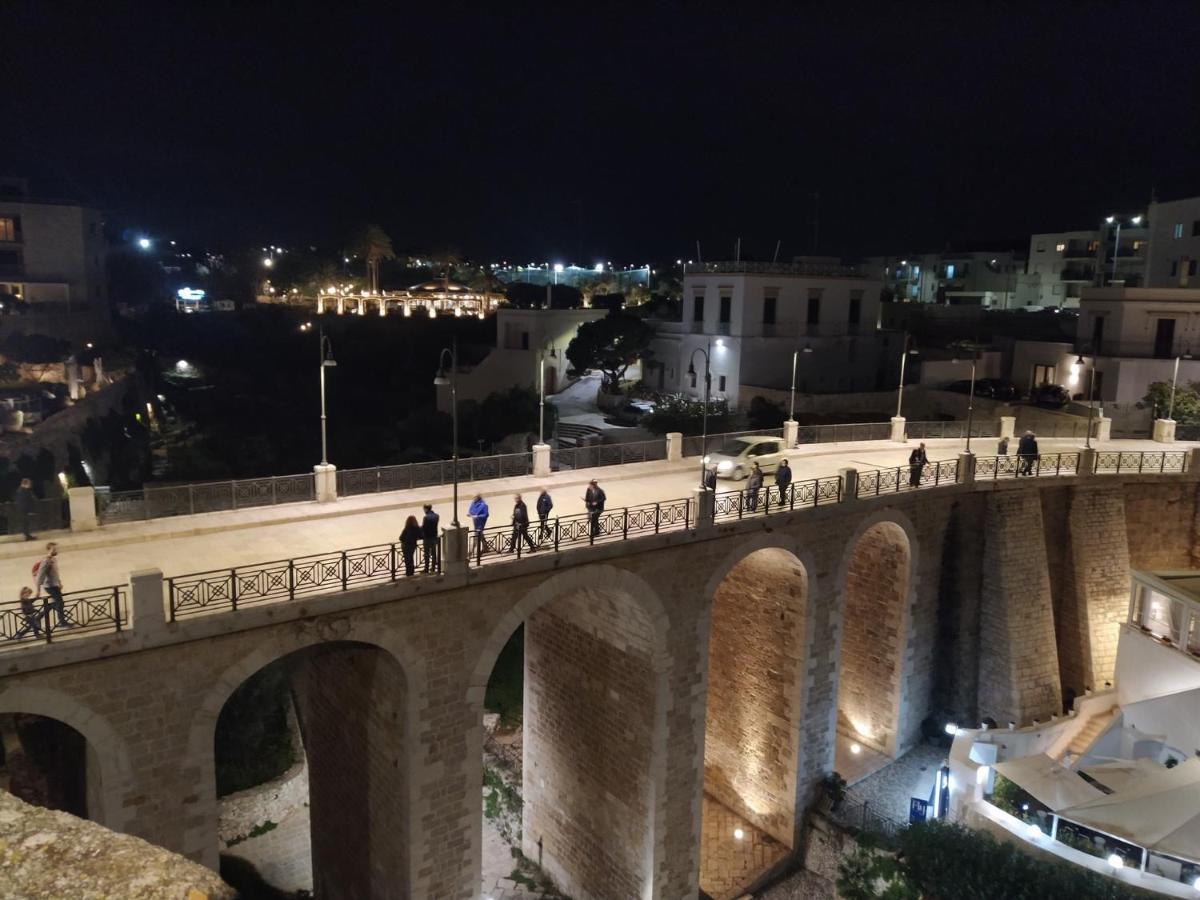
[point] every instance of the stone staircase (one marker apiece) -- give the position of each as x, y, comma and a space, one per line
1086, 736
571, 434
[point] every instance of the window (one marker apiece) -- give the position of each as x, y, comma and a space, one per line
698, 311
1196, 228
1174, 267
1041, 247
524, 340
950, 270
720, 382
814, 306
855, 307
10, 257
10, 228
1191, 267
769, 310
726, 308
1177, 233
1137, 245
1060, 247
1041, 375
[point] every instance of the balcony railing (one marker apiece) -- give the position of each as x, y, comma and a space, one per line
802, 269
1077, 273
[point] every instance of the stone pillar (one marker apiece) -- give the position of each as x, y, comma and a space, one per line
791, 434
146, 603
320, 304
702, 508
341, 305
1103, 427
1164, 431
541, 460
1096, 597
1018, 656
454, 551
326, 476
1008, 427
82, 502
1087, 462
382, 306
898, 435
674, 446
966, 468
849, 484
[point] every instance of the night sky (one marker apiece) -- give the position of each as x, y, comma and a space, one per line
583, 132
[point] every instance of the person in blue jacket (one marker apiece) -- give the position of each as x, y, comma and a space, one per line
544, 505
478, 511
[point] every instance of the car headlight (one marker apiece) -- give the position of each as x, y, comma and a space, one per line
724, 466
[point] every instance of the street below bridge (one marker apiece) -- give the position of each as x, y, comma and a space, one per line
222, 540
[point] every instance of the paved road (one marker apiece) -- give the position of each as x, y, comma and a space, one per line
220, 540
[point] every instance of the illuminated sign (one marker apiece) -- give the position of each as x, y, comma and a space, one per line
190, 294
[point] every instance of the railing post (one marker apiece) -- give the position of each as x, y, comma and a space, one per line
81, 502
345, 572
556, 521
146, 603
454, 550
625, 525
703, 499
273, 500
291, 579
1087, 462
656, 511
233, 495
192, 499
393, 558
233, 589
966, 468
849, 479
674, 446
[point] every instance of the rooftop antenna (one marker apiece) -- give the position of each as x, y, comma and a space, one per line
816, 223
775, 258
699, 257
737, 251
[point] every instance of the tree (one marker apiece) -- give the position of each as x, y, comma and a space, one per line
1187, 401
612, 345
373, 245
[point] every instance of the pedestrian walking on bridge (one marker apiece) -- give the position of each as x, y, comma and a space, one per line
594, 499
520, 524
753, 485
429, 537
783, 478
917, 460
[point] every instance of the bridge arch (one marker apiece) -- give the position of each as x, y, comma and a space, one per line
596, 699
756, 634
108, 755
876, 589
351, 694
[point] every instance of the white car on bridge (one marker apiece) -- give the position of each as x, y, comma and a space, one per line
738, 455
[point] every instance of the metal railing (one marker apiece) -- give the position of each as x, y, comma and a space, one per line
47, 515
214, 496
1052, 464
953, 428
771, 498
581, 529
594, 455
287, 579
1155, 461
436, 472
873, 482
862, 817
40, 620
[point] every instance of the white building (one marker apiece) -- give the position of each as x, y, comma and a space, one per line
1174, 233
51, 252
753, 316
992, 278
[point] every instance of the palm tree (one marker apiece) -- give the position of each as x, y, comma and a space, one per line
485, 282
374, 245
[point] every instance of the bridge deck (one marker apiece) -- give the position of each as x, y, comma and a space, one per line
242, 537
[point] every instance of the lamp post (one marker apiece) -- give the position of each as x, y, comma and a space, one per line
1091, 385
325, 361
542, 391
904, 354
1136, 220
707, 389
792, 399
971, 394
442, 378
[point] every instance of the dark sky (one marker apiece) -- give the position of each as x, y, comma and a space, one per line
599, 131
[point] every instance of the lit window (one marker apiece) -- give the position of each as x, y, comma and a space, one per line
1178, 232
1137, 245
10, 228
1093, 246
1060, 247
950, 270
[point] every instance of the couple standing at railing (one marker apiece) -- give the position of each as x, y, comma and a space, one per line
424, 533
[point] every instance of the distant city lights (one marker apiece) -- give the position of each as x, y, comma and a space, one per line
144, 243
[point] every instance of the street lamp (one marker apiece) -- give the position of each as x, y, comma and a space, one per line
1136, 220
792, 401
325, 361
451, 378
905, 352
971, 395
707, 389
1187, 354
542, 391
1091, 384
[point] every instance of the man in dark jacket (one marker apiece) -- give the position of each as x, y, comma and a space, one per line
594, 500
783, 478
753, 486
1027, 451
544, 505
710, 478
24, 501
917, 460
520, 523
429, 537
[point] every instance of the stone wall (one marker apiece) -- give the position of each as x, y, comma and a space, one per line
1160, 523
956, 686
873, 639
755, 657
589, 717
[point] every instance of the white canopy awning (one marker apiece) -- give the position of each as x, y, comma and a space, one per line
1158, 809
1048, 780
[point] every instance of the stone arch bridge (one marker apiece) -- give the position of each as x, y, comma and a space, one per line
723, 661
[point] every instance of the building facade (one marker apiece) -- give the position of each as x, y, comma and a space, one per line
1174, 235
992, 278
752, 317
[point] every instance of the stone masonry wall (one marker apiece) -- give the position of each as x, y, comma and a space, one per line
351, 702
1018, 659
1160, 523
957, 684
872, 642
1069, 619
589, 716
756, 650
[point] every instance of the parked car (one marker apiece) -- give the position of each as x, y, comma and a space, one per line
959, 387
1052, 396
737, 457
997, 389
629, 414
